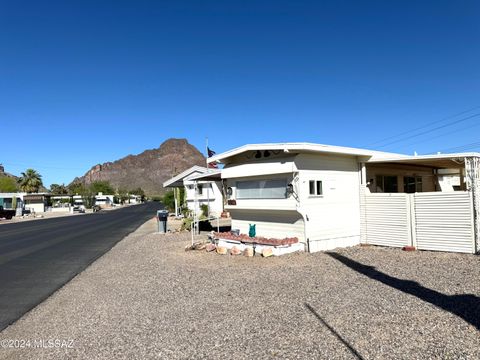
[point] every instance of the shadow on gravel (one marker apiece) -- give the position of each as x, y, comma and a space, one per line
332, 330
465, 306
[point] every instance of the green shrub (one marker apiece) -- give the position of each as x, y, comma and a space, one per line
204, 208
169, 200
187, 224
8, 184
186, 212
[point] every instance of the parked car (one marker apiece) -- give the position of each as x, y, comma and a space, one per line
78, 206
7, 214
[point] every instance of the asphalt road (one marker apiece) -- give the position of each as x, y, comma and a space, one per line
38, 257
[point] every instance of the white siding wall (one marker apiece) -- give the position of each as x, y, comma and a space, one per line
210, 195
36, 207
275, 164
276, 224
334, 217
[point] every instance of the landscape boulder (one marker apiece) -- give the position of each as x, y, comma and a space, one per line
210, 247
235, 251
267, 252
221, 250
248, 251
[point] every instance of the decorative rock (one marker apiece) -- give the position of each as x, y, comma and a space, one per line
248, 252
235, 251
210, 247
267, 252
221, 250
200, 246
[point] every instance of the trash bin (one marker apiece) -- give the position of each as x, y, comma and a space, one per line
162, 217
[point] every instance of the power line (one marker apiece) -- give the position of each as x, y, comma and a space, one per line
423, 126
444, 134
463, 147
429, 131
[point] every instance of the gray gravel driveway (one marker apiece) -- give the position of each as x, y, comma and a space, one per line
148, 298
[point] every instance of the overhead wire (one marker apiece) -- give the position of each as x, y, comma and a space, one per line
464, 147
445, 134
423, 126
431, 130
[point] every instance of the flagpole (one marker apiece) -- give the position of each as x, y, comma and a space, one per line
208, 184
206, 150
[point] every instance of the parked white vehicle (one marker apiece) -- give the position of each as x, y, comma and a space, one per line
78, 205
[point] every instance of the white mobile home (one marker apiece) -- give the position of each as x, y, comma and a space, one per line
330, 196
134, 199
12, 201
104, 201
8, 200
198, 189
37, 202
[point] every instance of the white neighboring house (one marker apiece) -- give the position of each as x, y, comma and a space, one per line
327, 196
451, 179
104, 201
7, 200
199, 190
135, 199
36, 202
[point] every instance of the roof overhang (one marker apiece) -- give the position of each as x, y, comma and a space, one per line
296, 148
211, 175
446, 161
177, 181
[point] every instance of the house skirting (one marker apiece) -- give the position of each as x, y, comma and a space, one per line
330, 244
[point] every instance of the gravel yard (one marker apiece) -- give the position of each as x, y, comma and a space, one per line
149, 298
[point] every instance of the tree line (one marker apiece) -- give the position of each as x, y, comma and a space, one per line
30, 181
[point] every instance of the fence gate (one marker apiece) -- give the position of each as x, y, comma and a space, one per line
429, 221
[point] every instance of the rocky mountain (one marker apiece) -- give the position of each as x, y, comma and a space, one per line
149, 169
4, 173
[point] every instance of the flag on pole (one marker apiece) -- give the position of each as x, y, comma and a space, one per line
211, 165
210, 152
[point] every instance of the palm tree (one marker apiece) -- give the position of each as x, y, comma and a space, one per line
30, 181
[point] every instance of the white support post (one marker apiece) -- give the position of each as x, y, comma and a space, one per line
176, 201
208, 199
363, 174
412, 223
472, 174
195, 203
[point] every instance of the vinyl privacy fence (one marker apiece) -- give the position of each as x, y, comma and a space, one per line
441, 221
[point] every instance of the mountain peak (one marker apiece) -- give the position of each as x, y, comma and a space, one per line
149, 169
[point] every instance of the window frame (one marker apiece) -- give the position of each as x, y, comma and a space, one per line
418, 182
382, 185
316, 184
240, 197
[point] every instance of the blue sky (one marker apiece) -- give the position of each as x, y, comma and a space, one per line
84, 82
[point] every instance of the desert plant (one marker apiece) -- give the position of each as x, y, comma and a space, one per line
186, 224
122, 195
57, 189
30, 181
7, 184
169, 200
204, 209
103, 187
186, 212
